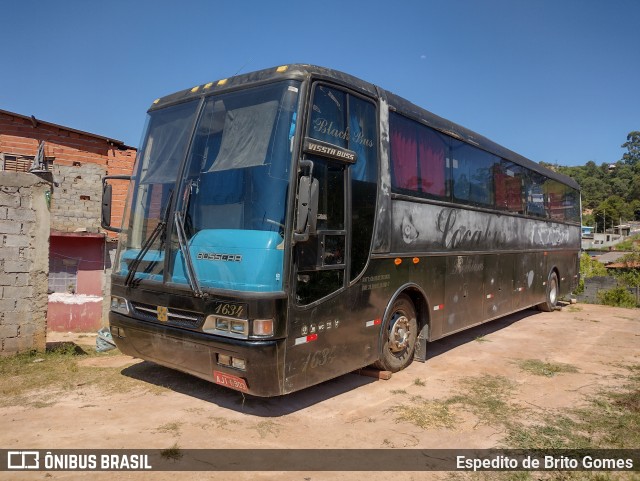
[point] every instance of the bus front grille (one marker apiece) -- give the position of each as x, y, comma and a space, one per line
175, 317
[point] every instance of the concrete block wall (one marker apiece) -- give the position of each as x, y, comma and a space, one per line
76, 200
24, 262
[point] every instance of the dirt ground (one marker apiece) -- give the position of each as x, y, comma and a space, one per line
155, 407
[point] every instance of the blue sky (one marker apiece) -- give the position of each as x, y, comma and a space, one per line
554, 80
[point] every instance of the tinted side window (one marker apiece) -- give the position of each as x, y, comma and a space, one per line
508, 185
572, 200
472, 171
418, 158
534, 194
554, 193
329, 116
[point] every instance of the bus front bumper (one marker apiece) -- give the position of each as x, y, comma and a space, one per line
199, 354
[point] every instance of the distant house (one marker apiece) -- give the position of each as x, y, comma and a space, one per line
587, 232
79, 250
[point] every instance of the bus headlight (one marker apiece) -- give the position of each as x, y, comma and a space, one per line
222, 324
226, 326
263, 327
239, 327
119, 304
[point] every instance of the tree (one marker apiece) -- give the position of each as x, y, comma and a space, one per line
632, 156
594, 191
611, 211
591, 169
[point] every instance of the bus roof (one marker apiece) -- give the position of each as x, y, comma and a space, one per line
396, 103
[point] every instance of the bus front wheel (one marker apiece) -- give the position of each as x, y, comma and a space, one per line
401, 332
552, 293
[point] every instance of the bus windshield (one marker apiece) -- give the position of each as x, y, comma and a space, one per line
232, 197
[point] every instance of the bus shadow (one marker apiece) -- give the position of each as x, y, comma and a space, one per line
442, 346
162, 378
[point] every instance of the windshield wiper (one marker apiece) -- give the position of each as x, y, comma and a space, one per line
184, 248
159, 230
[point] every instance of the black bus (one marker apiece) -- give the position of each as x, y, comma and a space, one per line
291, 225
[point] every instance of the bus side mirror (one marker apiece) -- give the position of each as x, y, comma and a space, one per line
107, 195
307, 208
107, 192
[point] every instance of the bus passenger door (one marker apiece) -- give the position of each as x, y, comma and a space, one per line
325, 337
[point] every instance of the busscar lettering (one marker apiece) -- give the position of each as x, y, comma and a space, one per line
212, 256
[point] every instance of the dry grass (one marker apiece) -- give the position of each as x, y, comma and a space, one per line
426, 414
547, 369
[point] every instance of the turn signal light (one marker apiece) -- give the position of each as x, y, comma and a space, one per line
263, 327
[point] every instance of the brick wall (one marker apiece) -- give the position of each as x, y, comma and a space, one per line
80, 161
24, 262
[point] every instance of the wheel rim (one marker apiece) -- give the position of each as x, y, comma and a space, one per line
399, 334
553, 291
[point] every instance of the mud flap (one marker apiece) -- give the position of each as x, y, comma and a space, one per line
420, 353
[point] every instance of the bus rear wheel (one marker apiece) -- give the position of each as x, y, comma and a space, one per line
401, 333
552, 293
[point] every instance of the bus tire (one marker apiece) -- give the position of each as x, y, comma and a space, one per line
400, 335
552, 293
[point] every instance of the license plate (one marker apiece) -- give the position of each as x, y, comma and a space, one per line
230, 309
228, 380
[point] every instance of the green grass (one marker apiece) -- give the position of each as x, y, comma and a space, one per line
487, 397
608, 420
547, 369
27, 379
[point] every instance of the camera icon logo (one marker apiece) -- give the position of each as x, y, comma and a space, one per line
23, 460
